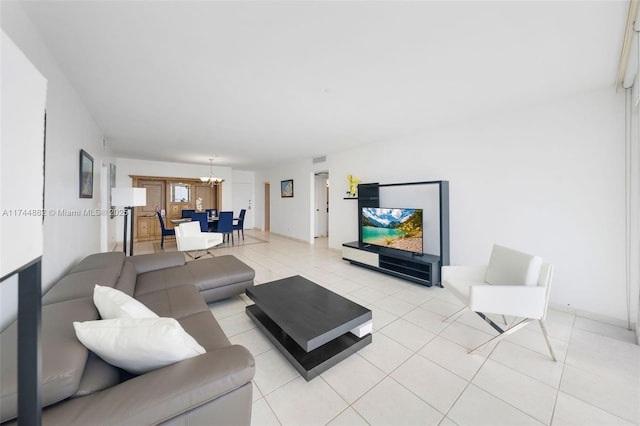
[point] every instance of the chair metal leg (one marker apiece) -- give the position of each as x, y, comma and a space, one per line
503, 333
546, 338
192, 256
207, 252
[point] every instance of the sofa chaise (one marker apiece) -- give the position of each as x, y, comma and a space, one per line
79, 388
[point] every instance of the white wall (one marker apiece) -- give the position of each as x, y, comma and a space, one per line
291, 217
66, 239
70, 128
548, 180
24, 93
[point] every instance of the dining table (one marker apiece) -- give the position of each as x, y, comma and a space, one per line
213, 222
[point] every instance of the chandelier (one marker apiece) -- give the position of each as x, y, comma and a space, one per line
211, 178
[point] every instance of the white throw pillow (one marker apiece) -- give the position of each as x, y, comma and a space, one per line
112, 303
138, 345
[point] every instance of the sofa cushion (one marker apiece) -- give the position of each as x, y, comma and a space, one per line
219, 271
80, 284
138, 345
97, 375
154, 261
205, 329
109, 260
112, 303
149, 282
175, 302
158, 396
127, 281
512, 267
63, 356
206, 274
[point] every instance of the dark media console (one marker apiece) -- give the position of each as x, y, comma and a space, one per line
420, 268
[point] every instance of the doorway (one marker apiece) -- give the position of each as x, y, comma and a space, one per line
321, 205
267, 206
242, 196
104, 205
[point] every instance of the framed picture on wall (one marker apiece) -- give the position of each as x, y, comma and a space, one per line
286, 188
86, 175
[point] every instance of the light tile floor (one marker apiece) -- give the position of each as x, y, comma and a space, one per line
417, 370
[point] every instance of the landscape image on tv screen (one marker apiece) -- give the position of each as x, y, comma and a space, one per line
396, 228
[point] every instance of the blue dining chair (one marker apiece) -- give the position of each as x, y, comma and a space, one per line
165, 232
225, 225
187, 213
240, 225
202, 218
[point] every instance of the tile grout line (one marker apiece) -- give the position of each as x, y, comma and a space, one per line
564, 364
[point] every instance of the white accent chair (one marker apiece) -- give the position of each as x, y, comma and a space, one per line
513, 283
190, 238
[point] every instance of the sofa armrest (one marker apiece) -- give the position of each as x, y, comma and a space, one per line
515, 300
153, 262
161, 394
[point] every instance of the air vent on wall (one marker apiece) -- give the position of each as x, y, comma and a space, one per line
321, 159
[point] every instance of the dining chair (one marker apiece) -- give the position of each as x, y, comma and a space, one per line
165, 232
187, 213
225, 225
240, 225
202, 218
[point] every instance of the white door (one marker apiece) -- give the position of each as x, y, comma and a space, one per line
321, 206
243, 199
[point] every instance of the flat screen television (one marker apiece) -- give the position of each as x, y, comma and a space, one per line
392, 227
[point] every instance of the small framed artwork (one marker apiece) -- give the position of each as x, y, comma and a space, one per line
286, 188
86, 175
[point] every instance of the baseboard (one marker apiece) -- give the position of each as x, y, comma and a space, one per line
593, 316
289, 238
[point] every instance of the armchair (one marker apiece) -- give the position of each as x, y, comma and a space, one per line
513, 283
190, 238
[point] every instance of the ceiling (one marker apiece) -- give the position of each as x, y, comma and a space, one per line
258, 83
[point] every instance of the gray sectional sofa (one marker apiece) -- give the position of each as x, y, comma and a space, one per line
79, 388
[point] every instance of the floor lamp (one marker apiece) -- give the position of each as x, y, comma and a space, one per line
128, 198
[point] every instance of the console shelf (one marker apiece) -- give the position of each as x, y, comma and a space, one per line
422, 269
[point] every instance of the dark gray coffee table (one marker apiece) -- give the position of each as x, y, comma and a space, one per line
313, 327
